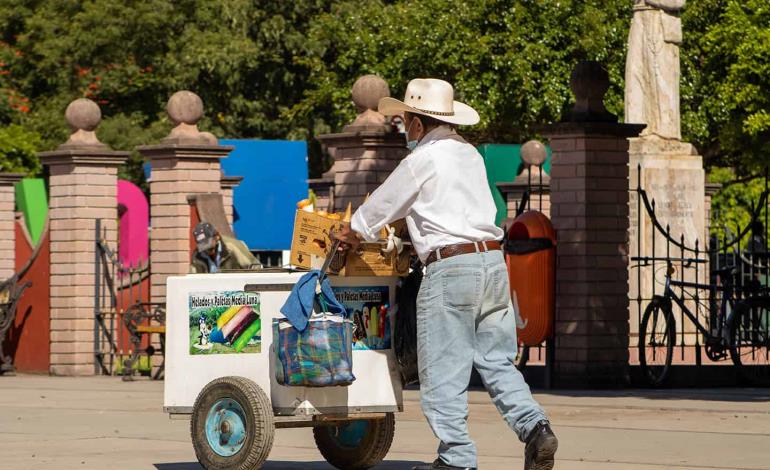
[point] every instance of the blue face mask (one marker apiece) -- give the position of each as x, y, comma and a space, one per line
411, 144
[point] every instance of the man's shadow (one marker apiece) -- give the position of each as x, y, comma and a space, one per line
289, 465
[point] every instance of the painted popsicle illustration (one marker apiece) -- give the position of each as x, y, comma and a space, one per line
241, 327
227, 315
244, 338
236, 320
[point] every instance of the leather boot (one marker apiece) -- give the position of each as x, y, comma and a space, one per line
439, 464
541, 447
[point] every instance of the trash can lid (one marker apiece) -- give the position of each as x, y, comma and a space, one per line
532, 224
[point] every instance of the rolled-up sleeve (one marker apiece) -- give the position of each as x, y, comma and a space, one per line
390, 202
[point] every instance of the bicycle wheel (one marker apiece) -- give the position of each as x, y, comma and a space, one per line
656, 341
749, 330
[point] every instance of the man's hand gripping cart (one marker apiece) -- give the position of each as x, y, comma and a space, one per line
220, 370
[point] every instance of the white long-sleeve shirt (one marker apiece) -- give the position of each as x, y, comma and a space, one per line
441, 189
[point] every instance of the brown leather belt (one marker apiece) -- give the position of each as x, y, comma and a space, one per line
462, 249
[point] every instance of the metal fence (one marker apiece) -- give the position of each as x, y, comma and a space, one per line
116, 289
710, 278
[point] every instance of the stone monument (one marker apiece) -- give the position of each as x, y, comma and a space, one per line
671, 170
652, 67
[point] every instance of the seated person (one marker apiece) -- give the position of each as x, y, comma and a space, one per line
215, 252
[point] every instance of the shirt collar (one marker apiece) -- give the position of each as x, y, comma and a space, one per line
441, 132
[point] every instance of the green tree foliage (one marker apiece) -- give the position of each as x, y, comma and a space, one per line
18, 149
283, 69
726, 86
511, 60
130, 56
732, 207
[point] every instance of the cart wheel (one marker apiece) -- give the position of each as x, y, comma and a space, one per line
232, 425
356, 445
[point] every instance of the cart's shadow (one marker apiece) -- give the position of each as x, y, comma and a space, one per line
288, 465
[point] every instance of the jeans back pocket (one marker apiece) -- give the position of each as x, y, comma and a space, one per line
461, 287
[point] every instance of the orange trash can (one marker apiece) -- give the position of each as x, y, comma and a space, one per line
530, 253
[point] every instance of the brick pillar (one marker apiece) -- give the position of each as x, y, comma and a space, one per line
7, 221
228, 185
83, 178
186, 162
366, 151
589, 210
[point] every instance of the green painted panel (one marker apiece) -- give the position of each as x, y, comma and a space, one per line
32, 201
503, 163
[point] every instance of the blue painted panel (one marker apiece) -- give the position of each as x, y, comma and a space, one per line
274, 180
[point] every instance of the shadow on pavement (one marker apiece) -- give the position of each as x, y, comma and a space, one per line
287, 465
744, 395
706, 383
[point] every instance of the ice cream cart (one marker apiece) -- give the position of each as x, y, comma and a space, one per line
229, 390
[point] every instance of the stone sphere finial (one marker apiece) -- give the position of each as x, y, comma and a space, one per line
83, 114
83, 117
533, 153
367, 91
589, 83
185, 107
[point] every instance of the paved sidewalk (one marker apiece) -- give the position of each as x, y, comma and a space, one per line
101, 422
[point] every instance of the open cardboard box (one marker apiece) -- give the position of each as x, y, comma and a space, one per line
312, 241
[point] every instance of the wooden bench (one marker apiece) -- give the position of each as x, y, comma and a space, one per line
143, 320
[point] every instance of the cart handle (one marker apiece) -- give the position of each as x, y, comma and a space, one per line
328, 260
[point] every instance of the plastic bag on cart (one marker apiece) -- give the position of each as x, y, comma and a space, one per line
319, 356
405, 333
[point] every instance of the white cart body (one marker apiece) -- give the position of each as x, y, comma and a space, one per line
377, 388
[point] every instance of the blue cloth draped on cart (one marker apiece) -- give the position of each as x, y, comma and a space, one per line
299, 306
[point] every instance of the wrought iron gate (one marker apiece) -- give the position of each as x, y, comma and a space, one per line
116, 289
733, 256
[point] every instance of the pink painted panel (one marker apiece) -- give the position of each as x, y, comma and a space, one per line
133, 247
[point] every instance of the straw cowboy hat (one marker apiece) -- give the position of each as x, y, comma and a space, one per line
431, 97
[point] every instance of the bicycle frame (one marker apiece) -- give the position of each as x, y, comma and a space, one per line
723, 315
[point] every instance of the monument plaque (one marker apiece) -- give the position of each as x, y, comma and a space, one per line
678, 201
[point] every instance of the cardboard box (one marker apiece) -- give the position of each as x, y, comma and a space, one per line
311, 243
369, 260
311, 237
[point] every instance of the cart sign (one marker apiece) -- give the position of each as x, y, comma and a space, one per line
225, 322
368, 308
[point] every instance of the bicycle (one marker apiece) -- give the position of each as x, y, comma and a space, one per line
740, 327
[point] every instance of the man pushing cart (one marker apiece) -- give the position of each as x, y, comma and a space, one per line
239, 390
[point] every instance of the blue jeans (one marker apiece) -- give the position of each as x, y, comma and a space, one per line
465, 319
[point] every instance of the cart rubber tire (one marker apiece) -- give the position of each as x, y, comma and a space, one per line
258, 424
370, 450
